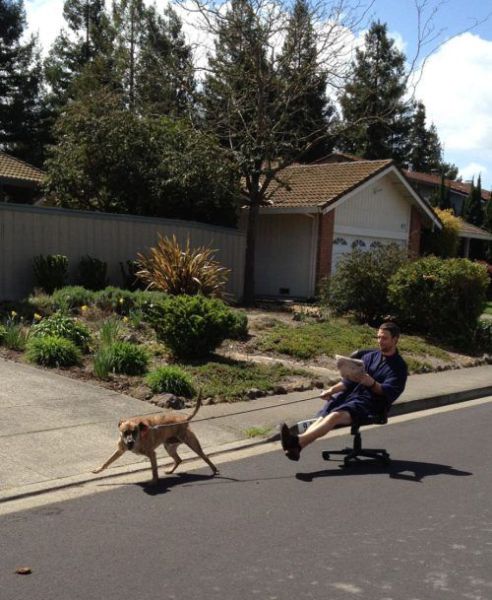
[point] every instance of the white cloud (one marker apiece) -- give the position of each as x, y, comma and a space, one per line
45, 17
472, 171
456, 89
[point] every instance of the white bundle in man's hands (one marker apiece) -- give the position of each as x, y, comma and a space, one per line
350, 368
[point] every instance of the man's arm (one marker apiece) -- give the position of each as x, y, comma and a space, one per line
372, 384
334, 389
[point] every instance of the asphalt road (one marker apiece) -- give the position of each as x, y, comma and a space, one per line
269, 528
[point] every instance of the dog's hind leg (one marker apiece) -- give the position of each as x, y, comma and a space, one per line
171, 449
191, 440
111, 459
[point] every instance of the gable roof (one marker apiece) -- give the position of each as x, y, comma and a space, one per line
319, 185
14, 170
435, 180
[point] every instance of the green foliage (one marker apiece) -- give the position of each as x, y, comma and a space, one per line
115, 299
171, 380
110, 332
443, 243
61, 325
52, 351
111, 160
193, 326
12, 333
92, 273
374, 106
72, 296
425, 153
473, 211
121, 357
443, 298
230, 381
129, 275
50, 272
182, 270
360, 283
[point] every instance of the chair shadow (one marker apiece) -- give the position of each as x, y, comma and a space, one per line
407, 470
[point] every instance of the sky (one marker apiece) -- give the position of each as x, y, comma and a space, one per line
455, 83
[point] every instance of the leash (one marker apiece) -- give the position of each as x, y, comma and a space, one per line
242, 412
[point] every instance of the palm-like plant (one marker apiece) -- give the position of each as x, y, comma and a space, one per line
176, 270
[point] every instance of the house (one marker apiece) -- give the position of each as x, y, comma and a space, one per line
20, 182
428, 184
320, 211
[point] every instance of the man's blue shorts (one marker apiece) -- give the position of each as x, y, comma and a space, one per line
357, 408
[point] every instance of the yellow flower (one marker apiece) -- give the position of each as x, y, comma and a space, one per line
84, 307
121, 300
13, 313
37, 317
125, 319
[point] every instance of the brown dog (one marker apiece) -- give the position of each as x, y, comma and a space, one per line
142, 435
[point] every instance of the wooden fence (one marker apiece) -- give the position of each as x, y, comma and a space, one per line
28, 231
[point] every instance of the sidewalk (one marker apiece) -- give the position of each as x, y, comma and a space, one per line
53, 428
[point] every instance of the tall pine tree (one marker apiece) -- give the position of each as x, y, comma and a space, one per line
21, 113
473, 210
377, 117
311, 112
425, 152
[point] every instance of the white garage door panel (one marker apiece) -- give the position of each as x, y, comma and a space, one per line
343, 244
284, 255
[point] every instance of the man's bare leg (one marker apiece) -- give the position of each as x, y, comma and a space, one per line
323, 425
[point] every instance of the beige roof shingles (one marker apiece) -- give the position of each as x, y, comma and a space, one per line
318, 185
15, 170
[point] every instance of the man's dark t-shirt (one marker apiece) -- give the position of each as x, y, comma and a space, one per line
362, 404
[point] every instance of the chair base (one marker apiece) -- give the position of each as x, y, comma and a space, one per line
354, 454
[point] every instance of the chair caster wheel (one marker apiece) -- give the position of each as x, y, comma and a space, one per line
325, 455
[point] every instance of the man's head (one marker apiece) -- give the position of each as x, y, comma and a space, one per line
388, 335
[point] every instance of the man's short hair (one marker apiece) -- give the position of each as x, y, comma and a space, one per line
391, 327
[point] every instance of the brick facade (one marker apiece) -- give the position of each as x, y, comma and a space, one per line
415, 233
325, 245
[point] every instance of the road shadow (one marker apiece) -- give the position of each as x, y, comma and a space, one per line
166, 484
407, 470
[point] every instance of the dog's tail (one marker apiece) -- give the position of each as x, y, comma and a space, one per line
197, 407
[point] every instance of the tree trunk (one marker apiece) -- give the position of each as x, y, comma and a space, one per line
249, 264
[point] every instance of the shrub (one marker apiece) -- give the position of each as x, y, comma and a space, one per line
171, 380
53, 351
92, 273
444, 298
115, 299
445, 242
121, 357
61, 325
111, 331
12, 333
193, 326
360, 283
176, 270
50, 272
72, 296
129, 275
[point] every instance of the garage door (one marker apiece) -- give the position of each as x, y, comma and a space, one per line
342, 244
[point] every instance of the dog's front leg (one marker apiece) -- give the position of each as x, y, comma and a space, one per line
153, 464
111, 459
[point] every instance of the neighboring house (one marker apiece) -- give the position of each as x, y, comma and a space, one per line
327, 209
19, 182
428, 184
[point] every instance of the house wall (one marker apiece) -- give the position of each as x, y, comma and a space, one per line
376, 214
28, 231
285, 255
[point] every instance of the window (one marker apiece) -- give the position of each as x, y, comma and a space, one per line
339, 241
375, 244
358, 244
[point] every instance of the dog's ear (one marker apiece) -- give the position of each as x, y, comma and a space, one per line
120, 422
143, 426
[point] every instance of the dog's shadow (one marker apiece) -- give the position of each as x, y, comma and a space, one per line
407, 470
165, 484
